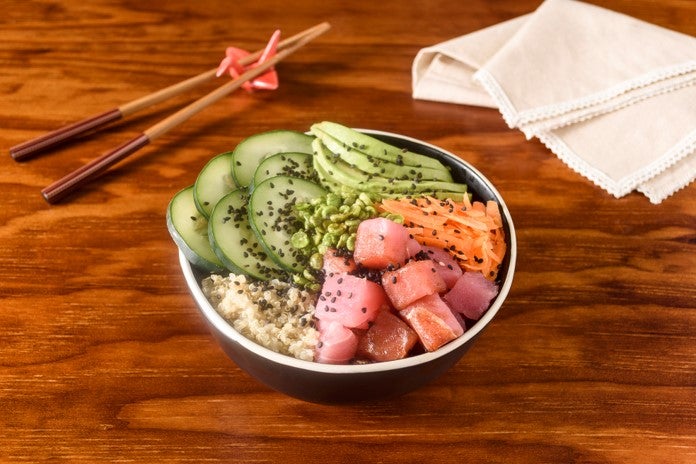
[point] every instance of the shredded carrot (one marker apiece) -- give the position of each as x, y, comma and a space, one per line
471, 232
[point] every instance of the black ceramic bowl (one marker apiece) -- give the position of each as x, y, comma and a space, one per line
327, 383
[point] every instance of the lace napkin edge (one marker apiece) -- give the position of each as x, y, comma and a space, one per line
657, 196
620, 188
515, 118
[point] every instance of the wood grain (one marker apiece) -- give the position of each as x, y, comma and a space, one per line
103, 357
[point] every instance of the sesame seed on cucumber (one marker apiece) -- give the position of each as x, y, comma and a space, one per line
189, 230
254, 149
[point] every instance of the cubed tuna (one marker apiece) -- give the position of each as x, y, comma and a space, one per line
412, 282
471, 295
433, 321
350, 300
447, 266
387, 339
380, 242
337, 344
336, 263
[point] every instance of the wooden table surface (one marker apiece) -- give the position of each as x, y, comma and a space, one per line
103, 355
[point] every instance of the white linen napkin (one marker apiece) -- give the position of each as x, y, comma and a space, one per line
611, 96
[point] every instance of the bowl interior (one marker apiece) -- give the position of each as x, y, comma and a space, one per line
482, 190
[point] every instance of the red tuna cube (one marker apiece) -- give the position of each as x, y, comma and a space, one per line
387, 339
412, 282
335, 263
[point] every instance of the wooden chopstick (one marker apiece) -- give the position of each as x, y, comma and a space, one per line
51, 139
73, 181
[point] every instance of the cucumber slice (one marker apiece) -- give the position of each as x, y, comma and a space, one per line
233, 240
288, 164
254, 149
213, 182
272, 219
189, 230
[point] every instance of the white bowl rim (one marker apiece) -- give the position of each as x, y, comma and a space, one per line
228, 331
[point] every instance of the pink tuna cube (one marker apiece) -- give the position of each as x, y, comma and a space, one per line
413, 247
471, 295
350, 300
337, 344
380, 242
447, 266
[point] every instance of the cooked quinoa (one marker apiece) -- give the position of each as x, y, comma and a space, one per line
274, 314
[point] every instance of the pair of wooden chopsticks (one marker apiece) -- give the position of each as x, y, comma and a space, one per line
73, 181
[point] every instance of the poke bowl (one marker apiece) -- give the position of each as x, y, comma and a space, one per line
329, 382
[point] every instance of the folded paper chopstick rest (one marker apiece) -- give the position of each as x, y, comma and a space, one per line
612, 96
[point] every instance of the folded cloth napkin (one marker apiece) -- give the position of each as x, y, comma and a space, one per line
611, 96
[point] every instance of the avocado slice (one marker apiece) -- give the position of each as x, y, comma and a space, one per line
373, 147
334, 169
371, 165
